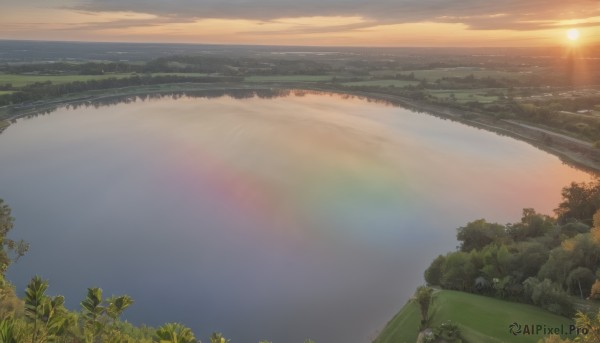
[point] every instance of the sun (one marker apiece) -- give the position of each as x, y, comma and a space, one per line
573, 34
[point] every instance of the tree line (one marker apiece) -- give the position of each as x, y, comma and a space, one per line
45, 90
542, 260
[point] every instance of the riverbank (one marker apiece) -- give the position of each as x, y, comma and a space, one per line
570, 150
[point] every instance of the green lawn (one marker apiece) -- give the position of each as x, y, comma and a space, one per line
6, 92
288, 78
481, 319
18, 80
382, 83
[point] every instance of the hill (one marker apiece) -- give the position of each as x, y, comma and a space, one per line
481, 319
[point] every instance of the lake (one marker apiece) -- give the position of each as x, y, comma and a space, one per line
280, 216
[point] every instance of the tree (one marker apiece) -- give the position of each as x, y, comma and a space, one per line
8, 247
479, 233
175, 333
217, 337
580, 279
548, 295
423, 297
496, 261
34, 300
433, 274
116, 306
592, 324
580, 202
92, 310
459, 272
46, 313
534, 224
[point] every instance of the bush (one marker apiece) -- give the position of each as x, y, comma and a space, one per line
549, 296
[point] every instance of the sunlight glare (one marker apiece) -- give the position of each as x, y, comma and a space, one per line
573, 34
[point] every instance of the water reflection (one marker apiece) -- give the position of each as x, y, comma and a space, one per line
276, 215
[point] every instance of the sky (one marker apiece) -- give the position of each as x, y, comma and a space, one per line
307, 22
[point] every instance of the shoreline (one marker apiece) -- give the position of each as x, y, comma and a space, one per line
569, 150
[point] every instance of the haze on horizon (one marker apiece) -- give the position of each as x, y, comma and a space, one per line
312, 22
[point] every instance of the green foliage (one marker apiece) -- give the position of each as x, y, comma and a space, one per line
538, 260
48, 314
34, 300
10, 304
532, 225
217, 337
8, 246
580, 280
448, 332
580, 202
592, 324
548, 295
433, 274
175, 333
116, 306
8, 333
459, 272
573, 228
423, 297
92, 310
479, 233
497, 261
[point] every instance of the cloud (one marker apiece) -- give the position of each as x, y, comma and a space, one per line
520, 15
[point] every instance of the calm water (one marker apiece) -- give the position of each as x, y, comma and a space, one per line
300, 216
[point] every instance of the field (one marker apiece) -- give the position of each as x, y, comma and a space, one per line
465, 95
436, 74
288, 78
382, 83
19, 80
481, 319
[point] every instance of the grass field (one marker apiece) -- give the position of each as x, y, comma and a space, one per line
382, 83
481, 319
436, 74
288, 78
6, 92
23, 80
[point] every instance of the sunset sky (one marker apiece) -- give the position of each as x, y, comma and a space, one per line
308, 22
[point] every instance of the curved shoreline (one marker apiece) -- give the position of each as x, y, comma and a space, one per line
571, 151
